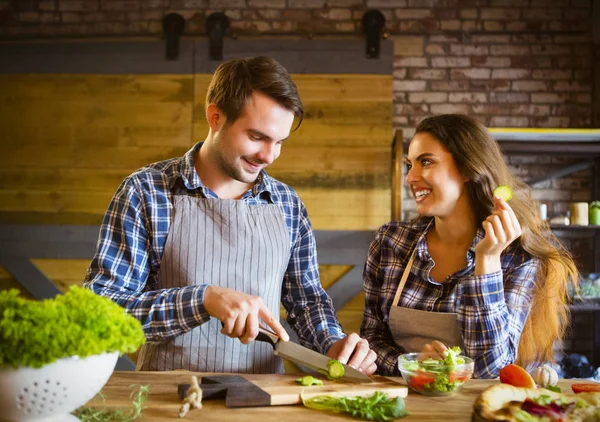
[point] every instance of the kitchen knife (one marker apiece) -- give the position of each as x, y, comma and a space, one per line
306, 357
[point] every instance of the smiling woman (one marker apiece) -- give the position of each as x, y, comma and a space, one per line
471, 270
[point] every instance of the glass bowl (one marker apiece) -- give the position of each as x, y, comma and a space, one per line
427, 374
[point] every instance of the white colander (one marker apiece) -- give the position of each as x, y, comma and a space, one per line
52, 392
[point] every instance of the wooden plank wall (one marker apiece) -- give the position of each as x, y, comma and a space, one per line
68, 140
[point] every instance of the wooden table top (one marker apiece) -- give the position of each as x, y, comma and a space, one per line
163, 403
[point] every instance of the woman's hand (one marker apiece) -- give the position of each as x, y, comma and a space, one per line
501, 229
354, 351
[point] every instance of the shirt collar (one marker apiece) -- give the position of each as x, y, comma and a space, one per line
421, 246
187, 171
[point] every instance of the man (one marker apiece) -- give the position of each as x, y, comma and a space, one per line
210, 234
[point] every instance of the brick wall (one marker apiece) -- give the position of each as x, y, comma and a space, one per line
509, 63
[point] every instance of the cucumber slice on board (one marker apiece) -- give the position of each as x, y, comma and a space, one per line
503, 192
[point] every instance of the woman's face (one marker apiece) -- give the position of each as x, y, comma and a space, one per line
435, 182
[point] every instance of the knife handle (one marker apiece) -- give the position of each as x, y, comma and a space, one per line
267, 337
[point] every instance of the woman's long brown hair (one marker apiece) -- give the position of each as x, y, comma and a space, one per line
478, 157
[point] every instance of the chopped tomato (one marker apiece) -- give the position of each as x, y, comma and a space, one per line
421, 378
458, 377
585, 388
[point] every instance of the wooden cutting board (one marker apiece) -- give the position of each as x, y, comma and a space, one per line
276, 390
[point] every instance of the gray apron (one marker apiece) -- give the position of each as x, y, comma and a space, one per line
226, 243
413, 328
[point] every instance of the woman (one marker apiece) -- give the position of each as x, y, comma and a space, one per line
472, 270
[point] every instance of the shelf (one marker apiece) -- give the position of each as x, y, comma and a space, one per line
574, 227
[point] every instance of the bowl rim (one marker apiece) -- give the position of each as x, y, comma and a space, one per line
410, 357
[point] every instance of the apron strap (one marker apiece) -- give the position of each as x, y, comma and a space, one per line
404, 278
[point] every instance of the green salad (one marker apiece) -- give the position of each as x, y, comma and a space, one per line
437, 375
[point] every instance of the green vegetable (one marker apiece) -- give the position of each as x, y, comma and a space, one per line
504, 192
523, 416
378, 407
543, 400
554, 388
438, 375
309, 380
77, 323
90, 414
335, 369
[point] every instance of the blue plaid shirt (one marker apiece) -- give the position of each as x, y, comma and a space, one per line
491, 308
133, 234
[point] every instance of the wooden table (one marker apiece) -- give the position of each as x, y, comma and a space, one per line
163, 402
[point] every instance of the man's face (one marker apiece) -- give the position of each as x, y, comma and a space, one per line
254, 140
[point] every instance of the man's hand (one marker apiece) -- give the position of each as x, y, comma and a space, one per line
354, 351
240, 313
434, 348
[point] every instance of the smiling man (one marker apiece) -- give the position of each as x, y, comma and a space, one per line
204, 247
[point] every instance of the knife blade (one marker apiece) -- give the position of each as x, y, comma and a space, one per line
307, 357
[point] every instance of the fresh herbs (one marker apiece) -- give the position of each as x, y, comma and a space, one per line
138, 398
309, 380
77, 323
378, 407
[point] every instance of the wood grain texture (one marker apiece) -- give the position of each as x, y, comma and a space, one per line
163, 403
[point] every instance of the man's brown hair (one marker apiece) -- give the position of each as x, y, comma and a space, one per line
236, 79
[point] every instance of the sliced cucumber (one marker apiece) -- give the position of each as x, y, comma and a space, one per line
503, 192
309, 380
335, 369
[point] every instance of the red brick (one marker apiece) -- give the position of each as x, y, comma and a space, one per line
530, 86
493, 26
516, 26
453, 62
386, 3
445, 38
572, 182
427, 97
488, 61
531, 62
509, 50
583, 98
305, 4
530, 110
449, 85
409, 85
551, 195
399, 73
29, 17
552, 73
411, 109
469, 13
550, 50
267, 4
531, 38
268, 14
585, 74
549, 3
577, 14
445, 13
469, 26
548, 98
297, 15
550, 121
413, 13
509, 97
410, 61
49, 17
425, 3
419, 25
427, 74
67, 17
450, 108
468, 97
469, 50
400, 120
333, 14
509, 121
284, 26
497, 85
435, 49
511, 73
583, 49
492, 39
78, 5
450, 25
472, 73
190, 4
499, 13
570, 110
120, 5
571, 86
46, 5
570, 39
154, 4
345, 3
542, 13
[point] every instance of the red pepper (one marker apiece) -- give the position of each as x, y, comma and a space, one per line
585, 388
419, 379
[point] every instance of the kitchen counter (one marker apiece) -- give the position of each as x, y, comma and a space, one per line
163, 402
